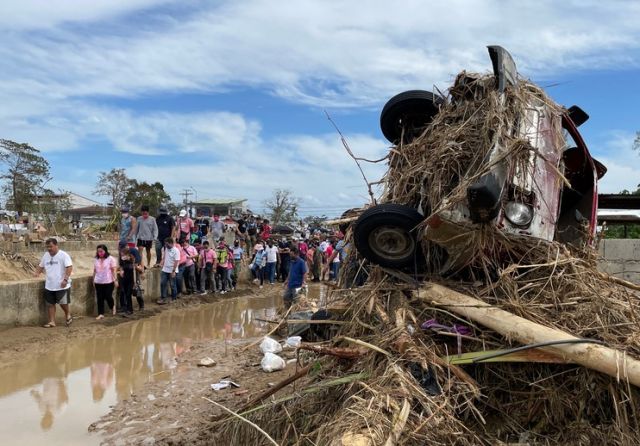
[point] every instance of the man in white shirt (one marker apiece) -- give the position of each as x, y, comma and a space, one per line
170, 262
272, 260
57, 286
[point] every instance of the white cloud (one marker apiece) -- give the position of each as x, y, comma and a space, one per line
622, 162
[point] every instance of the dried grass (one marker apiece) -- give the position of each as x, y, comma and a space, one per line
493, 403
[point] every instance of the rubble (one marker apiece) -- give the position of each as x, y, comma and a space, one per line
381, 381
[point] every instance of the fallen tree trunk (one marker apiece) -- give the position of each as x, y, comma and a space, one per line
612, 362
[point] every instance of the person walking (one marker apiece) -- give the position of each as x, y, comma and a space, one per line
57, 267
184, 226
208, 264
285, 259
127, 227
221, 271
130, 262
189, 273
147, 232
238, 257
202, 227
258, 264
297, 277
165, 224
105, 274
272, 260
169, 264
217, 228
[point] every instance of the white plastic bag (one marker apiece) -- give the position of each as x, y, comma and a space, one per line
272, 362
293, 341
269, 345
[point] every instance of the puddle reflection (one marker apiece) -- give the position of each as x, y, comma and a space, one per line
76, 383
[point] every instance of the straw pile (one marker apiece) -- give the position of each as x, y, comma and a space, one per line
396, 385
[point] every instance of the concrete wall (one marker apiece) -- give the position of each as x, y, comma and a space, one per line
621, 258
71, 245
22, 302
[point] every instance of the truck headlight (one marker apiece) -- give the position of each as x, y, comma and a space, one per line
519, 214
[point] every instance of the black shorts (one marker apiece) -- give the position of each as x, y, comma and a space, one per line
57, 297
145, 243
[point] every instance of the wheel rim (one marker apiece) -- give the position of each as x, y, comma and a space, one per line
391, 242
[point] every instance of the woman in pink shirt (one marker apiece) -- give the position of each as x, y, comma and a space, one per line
189, 274
208, 263
104, 279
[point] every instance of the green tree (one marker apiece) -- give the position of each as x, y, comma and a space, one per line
115, 185
153, 195
23, 173
282, 207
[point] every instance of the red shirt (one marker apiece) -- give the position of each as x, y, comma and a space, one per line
266, 232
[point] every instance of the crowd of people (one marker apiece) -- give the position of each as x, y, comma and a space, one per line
202, 255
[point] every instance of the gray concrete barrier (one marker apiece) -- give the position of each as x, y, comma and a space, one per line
621, 258
22, 302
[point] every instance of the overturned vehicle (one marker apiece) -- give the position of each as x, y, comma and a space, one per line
495, 156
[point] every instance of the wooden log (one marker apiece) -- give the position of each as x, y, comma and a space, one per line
606, 360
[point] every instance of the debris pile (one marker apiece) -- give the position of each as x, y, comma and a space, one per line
527, 344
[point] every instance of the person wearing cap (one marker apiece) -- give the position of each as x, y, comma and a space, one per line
147, 232
184, 226
128, 227
165, 224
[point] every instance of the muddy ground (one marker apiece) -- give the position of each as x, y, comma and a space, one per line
170, 411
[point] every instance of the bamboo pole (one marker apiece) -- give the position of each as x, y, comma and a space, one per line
609, 361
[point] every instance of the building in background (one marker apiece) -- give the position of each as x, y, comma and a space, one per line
222, 206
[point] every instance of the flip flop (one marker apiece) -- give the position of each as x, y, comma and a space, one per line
49, 325
68, 322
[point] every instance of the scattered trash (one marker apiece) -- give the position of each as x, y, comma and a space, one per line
272, 362
151, 397
269, 345
223, 384
293, 341
426, 378
207, 362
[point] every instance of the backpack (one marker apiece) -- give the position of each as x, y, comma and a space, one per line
222, 255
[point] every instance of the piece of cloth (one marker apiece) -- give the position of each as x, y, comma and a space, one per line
170, 257
104, 270
297, 271
104, 293
147, 228
54, 269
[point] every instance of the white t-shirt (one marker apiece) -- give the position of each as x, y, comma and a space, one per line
171, 257
272, 254
54, 269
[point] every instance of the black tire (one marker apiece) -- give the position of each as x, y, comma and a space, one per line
392, 225
408, 112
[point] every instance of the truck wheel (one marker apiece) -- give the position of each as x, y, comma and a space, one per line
408, 112
385, 235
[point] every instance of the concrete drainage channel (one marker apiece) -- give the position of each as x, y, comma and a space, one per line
53, 398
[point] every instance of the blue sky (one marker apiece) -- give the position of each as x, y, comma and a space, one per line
228, 98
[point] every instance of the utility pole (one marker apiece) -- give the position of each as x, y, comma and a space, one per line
186, 193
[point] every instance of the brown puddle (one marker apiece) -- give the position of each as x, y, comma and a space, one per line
53, 398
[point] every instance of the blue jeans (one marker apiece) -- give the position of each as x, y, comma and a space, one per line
167, 280
335, 268
180, 277
270, 271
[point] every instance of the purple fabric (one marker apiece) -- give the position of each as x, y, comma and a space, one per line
432, 324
